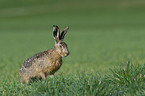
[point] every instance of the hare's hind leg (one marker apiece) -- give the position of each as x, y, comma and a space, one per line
26, 81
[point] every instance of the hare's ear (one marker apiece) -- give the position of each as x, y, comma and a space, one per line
56, 33
63, 33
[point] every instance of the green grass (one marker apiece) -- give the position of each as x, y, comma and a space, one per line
103, 35
122, 81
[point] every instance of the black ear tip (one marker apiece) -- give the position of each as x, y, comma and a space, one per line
55, 26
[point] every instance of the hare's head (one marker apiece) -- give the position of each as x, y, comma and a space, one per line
60, 45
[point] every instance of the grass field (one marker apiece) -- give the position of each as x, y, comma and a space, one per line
105, 39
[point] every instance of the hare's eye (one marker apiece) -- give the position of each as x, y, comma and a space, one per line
60, 46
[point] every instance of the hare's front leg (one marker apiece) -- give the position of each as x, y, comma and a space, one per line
42, 75
52, 76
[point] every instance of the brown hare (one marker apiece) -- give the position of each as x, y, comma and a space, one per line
46, 62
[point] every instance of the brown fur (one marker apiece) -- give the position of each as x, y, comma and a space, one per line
47, 62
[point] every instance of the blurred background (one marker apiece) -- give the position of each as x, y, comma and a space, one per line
102, 34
